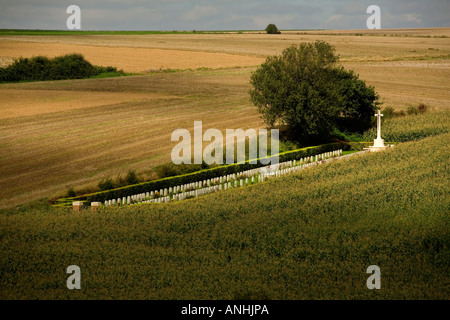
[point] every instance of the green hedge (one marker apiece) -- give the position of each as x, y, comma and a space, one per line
199, 175
70, 66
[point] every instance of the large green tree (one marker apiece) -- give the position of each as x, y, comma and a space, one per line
306, 89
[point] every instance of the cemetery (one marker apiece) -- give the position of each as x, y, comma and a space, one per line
236, 180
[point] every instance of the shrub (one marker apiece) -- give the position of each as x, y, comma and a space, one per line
422, 108
131, 177
106, 184
272, 29
388, 112
170, 169
347, 136
70, 66
71, 193
412, 110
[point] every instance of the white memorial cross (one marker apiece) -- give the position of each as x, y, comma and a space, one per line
378, 115
378, 142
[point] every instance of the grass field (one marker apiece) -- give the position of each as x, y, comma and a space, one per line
310, 235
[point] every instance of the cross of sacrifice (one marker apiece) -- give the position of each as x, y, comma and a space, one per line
378, 115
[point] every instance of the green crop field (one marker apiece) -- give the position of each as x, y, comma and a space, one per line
310, 235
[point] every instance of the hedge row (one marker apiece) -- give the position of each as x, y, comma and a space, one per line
199, 175
70, 66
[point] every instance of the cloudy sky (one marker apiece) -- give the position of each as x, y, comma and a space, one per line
222, 14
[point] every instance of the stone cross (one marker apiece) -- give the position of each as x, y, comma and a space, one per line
378, 115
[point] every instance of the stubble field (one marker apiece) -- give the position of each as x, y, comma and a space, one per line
61, 134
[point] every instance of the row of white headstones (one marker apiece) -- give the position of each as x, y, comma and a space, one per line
235, 180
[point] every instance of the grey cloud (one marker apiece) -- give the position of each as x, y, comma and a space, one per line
200, 12
222, 15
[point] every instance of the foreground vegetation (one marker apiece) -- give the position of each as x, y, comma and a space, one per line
310, 235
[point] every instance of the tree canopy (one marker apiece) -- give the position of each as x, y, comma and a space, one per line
272, 29
305, 89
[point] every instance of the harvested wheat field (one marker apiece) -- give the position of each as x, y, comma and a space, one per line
357, 45
57, 135
45, 154
15, 103
408, 83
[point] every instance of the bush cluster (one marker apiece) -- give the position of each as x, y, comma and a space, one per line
421, 108
390, 112
70, 66
272, 29
170, 169
109, 183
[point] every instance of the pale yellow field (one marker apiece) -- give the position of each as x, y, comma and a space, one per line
369, 46
418, 32
408, 83
61, 134
15, 103
45, 154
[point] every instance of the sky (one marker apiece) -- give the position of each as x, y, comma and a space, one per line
222, 14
